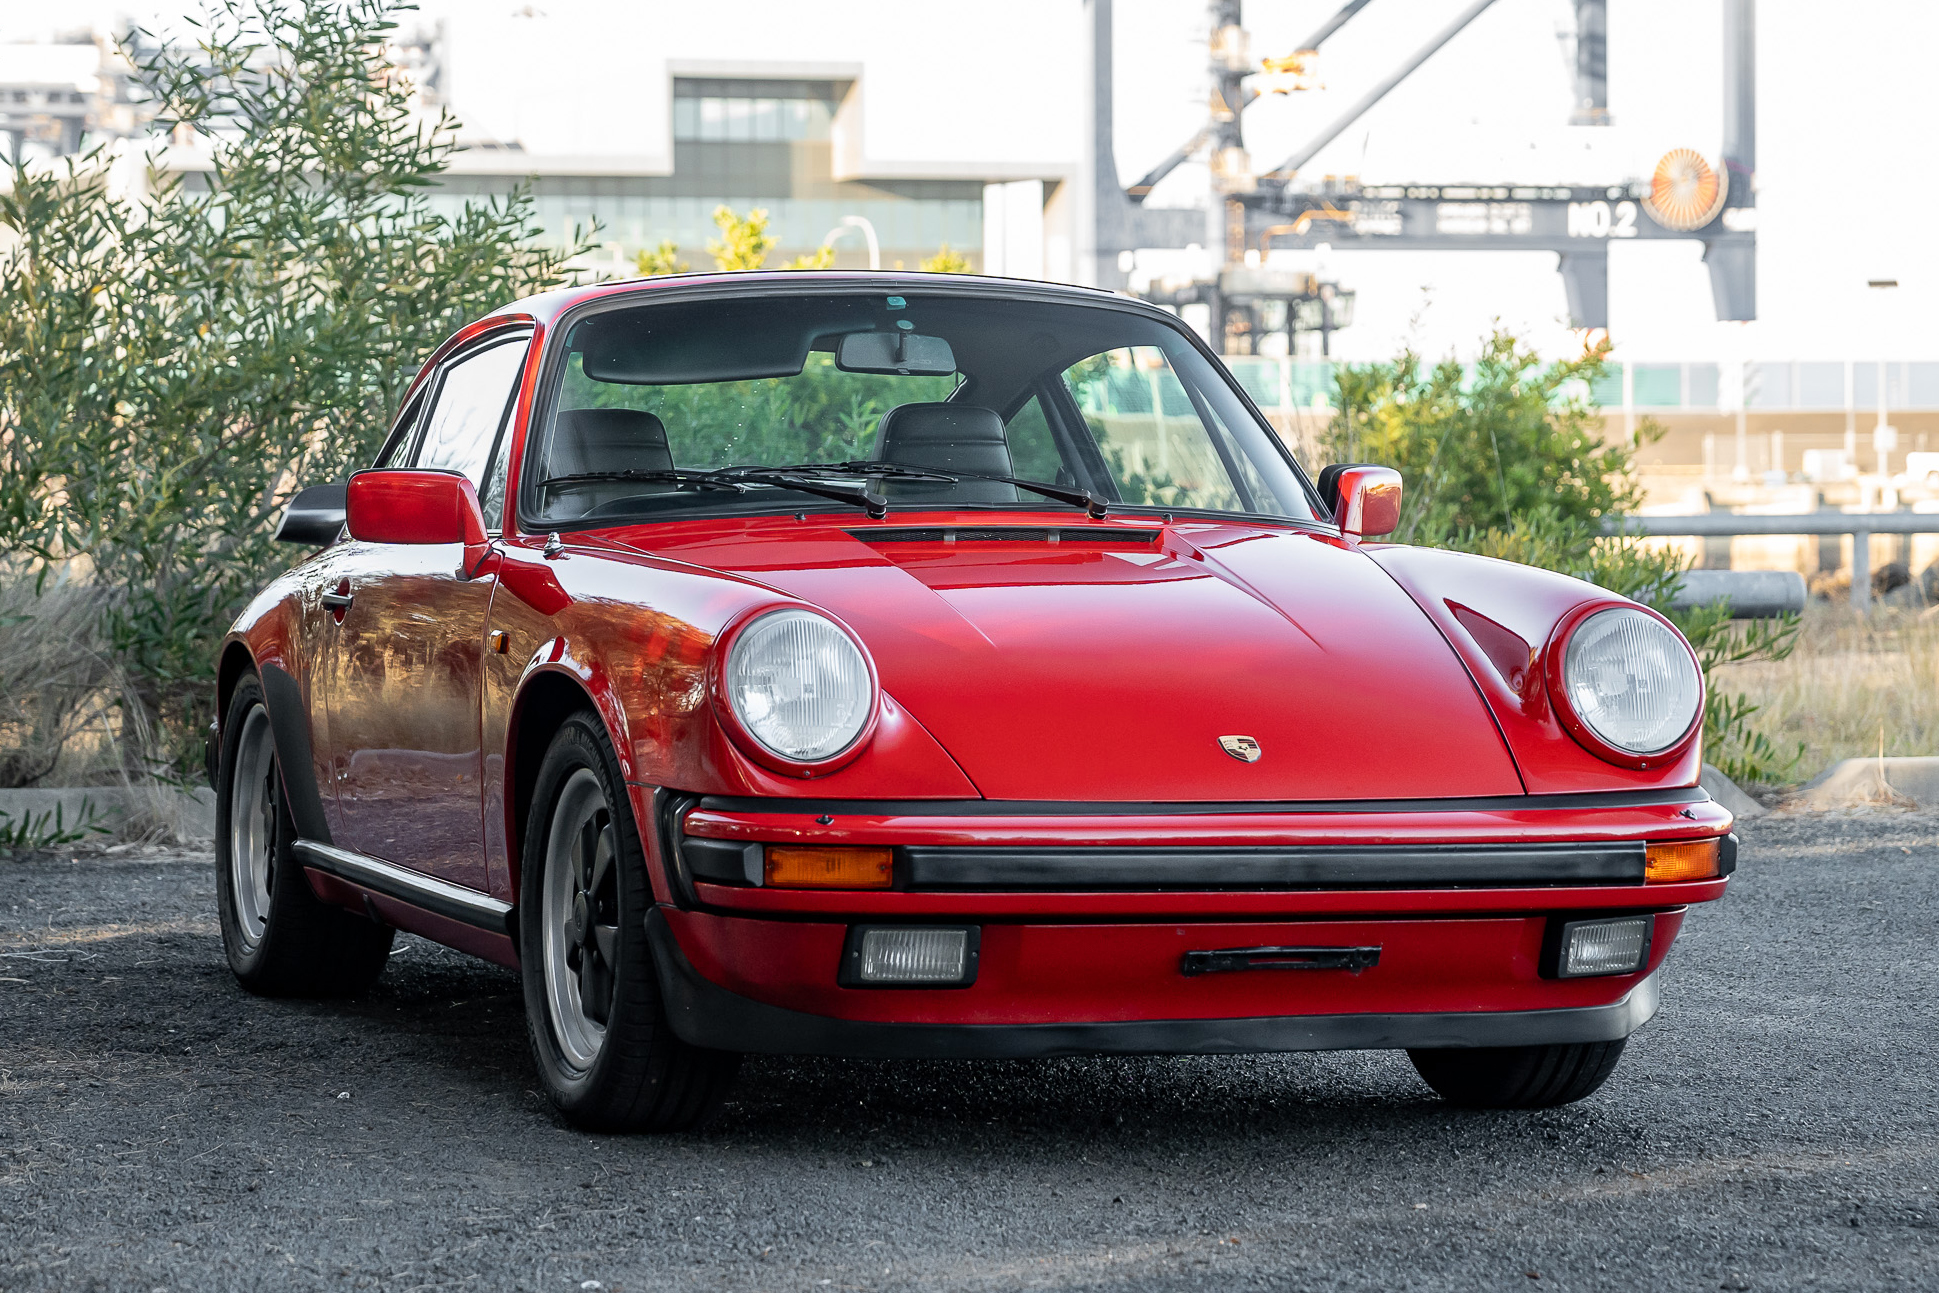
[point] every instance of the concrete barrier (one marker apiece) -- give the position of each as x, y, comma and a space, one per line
1726, 792
1753, 594
1908, 781
128, 812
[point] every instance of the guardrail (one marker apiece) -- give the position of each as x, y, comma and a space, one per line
1860, 525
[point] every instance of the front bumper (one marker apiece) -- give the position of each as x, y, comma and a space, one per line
1083, 946
705, 1014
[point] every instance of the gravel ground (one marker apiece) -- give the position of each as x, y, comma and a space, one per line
159, 1129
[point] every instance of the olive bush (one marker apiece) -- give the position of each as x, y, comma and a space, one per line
176, 360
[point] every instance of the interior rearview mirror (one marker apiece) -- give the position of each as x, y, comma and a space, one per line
906, 353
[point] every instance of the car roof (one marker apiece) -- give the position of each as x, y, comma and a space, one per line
548, 306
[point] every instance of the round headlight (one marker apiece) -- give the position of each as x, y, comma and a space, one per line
799, 685
1631, 681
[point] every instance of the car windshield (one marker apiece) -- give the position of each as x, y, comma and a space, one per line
912, 402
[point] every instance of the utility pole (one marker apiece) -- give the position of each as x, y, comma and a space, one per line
1229, 168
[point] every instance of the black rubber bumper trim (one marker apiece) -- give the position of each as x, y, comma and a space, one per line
705, 1014
1195, 808
1428, 866
289, 726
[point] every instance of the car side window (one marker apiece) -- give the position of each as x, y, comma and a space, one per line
1153, 438
403, 438
1033, 449
470, 409
491, 500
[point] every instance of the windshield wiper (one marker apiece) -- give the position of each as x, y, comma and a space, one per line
693, 479
1092, 502
735, 480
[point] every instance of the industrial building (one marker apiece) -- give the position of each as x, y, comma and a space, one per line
1040, 140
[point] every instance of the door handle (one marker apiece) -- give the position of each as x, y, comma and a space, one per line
338, 601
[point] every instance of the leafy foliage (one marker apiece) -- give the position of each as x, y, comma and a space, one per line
1507, 461
744, 241
173, 367
946, 261
822, 257
1516, 438
48, 829
821, 414
664, 259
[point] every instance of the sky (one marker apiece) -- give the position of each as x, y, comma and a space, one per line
1846, 179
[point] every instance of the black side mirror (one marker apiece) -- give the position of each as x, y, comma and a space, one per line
315, 516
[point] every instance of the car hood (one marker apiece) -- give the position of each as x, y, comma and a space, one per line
1105, 663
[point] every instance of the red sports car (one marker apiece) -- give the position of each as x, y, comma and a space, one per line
915, 665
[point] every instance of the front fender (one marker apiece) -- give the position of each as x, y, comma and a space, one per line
1500, 618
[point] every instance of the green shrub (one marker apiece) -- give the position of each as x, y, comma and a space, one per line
172, 368
1507, 460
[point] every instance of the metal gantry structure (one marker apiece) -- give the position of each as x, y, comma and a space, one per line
1686, 199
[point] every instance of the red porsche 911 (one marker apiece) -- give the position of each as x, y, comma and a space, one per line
917, 665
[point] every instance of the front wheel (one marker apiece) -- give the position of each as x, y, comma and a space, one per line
1518, 1077
598, 1028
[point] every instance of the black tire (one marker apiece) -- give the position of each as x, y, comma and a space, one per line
282, 940
1518, 1077
626, 1071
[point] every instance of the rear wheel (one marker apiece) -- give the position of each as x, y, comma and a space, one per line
598, 1027
281, 939
1518, 1077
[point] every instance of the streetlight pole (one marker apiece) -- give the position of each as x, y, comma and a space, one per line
868, 236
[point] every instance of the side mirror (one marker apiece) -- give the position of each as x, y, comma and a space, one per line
396, 506
1366, 501
314, 517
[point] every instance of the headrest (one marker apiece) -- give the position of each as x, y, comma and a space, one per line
608, 440
948, 437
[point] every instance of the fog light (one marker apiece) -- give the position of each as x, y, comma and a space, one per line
910, 956
830, 868
1683, 860
1589, 947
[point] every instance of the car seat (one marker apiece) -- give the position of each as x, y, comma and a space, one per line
946, 437
597, 440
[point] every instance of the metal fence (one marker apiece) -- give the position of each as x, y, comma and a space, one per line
1280, 383
1860, 525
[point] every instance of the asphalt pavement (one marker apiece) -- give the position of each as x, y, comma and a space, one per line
1774, 1128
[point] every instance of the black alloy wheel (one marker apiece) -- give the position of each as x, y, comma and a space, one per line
594, 1013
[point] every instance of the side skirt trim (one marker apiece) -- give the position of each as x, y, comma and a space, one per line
705, 1014
439, 897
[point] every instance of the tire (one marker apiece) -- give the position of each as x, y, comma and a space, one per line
1518, 1077
593, 1010
281, 939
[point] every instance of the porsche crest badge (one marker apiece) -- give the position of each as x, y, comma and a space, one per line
1242, 748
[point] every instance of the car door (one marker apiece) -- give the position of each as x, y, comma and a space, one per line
404, 693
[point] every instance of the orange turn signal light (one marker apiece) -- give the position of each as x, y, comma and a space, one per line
822, 867
1683, 860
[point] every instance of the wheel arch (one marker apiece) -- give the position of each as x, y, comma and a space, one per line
235, 662
547, 699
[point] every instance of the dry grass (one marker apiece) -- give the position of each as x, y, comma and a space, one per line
1851, 688
60, 723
